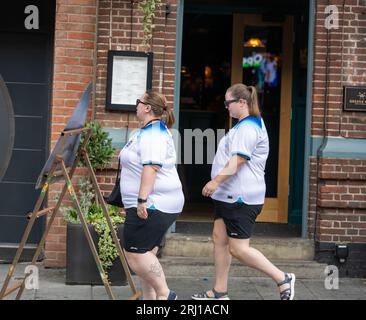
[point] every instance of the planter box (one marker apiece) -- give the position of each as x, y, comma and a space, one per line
81, 267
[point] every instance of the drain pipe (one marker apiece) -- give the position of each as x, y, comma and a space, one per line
320, 150
309, 91
178, 62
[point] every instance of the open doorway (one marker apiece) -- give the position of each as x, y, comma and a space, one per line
205, 76
218, 50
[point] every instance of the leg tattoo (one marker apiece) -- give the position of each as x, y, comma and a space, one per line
156, 269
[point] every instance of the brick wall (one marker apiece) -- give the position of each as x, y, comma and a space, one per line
163, 46
341, 200
76, 28
337, 197
347, 66
73, 69
353, 125
114, 33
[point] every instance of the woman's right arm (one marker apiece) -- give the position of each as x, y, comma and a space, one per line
231, 167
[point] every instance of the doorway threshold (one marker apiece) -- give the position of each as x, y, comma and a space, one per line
261, 229
198, 219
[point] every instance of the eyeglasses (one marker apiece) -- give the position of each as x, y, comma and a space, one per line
138, 101
227, 102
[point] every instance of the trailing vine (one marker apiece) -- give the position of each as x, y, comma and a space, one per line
106, 247
148, 8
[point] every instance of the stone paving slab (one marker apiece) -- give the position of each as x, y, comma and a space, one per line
52, 287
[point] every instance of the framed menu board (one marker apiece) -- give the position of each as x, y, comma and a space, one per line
129, 75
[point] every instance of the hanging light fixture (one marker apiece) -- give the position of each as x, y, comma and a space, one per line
254, 43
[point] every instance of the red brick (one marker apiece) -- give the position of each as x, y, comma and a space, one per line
345, 238
346, 225
51, 255
335, 231
75, 86
359, 239
55, 246
352, 232
353, 218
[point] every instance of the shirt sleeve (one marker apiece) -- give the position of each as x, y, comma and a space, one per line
153, 146
244, 142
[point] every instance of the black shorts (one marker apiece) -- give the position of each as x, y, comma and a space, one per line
142, 235
239, 218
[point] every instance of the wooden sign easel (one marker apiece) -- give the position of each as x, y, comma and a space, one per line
59, 170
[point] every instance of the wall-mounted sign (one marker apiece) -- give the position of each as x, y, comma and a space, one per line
254, 61
129, 75
354, 99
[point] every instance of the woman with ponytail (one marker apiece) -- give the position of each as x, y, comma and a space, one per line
238, 191
151, 193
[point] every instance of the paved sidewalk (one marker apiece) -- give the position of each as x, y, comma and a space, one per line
52, 287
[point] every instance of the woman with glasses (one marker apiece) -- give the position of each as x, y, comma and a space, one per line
238, 191
151, 192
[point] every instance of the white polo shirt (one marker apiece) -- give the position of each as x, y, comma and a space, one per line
152, 144
249, 139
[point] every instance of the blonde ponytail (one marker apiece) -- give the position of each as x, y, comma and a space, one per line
159, 107
168, 117
254, 107
248, 93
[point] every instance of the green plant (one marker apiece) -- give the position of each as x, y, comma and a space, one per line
93, 214
100, 152
148, 8
99, 147
107, 249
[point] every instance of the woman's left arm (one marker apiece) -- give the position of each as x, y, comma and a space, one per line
148, 177
231, 167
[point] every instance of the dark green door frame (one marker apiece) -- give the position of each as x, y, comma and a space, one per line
298, 116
